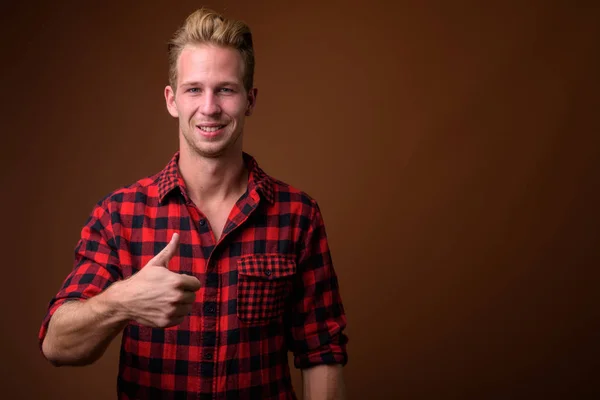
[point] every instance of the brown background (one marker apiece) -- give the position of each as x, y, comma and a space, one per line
453, 149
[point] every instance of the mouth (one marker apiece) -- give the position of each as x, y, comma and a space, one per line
211, 130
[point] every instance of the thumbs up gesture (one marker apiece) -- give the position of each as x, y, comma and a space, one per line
158, 297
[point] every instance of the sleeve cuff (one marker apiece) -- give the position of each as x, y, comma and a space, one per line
327, 355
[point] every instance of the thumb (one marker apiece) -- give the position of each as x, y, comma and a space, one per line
168, 252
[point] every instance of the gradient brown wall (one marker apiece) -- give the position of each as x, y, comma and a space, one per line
453, 149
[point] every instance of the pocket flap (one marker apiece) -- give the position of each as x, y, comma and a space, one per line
267, 266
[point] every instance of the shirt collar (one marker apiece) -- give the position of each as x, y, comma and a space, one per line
170, 178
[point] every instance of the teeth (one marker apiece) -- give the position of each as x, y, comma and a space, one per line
211, 128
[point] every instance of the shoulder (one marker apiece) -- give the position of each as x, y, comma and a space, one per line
297, 202
143, 191
284, 192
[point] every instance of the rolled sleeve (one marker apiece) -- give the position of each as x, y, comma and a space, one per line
96, 265
317, 318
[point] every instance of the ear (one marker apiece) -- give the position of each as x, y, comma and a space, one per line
252, 94
170, 100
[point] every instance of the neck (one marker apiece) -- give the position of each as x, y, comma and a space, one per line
213, 180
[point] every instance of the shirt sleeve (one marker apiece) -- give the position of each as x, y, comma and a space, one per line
96, 265
317, 318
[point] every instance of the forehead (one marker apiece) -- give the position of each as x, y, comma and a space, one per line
206, 63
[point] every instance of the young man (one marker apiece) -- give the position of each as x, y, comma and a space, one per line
212, 269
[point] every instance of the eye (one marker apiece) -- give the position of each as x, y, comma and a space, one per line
193, 90
226, 90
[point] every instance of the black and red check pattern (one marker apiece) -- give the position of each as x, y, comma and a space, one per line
268, 287
263, 287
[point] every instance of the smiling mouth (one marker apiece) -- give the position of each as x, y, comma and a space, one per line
210, 128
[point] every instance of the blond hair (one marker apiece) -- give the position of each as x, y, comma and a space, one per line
205, 26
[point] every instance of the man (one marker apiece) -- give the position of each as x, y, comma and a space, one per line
212, 269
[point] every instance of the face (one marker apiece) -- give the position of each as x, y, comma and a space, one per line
210, 101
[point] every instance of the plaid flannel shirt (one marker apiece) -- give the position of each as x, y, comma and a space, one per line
268, 287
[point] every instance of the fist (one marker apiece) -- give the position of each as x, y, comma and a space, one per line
158, 297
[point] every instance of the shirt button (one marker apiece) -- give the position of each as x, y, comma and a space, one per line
210, 309
268, 272
208, 356
202, 222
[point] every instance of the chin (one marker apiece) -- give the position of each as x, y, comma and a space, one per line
214, 152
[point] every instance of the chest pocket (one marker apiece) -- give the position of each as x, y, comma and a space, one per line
264, 282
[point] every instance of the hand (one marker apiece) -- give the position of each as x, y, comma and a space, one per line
158, 297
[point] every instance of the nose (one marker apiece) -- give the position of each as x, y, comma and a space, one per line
210, 104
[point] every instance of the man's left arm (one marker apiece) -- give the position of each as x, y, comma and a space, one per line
323, 382
317, 319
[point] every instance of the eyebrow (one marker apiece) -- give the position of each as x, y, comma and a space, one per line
219, 84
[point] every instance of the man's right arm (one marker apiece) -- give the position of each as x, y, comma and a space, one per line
80, 331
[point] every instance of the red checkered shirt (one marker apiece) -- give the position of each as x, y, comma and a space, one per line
268, 287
